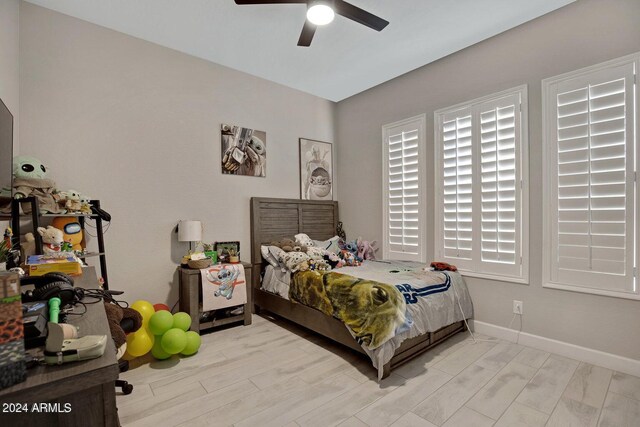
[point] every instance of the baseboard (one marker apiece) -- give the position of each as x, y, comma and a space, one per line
584, 354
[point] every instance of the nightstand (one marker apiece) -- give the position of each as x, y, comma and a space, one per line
191, 299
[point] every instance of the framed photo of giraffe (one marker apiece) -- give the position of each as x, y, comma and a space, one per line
316, 170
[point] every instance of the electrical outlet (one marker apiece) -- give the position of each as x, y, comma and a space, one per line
517, 307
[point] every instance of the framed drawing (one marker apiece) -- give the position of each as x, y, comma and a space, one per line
244, 151
316, 170
227, 250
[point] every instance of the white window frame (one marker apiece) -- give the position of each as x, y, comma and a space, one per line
523, 178
550, 162
421, 123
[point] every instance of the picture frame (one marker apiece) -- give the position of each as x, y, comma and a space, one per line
316, 169
244, 151
225, 250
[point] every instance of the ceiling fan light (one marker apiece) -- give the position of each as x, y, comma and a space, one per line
320, 14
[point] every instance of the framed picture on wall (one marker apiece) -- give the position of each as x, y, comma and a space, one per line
316, 170
244, 151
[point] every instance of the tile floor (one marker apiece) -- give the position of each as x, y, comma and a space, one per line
273, 373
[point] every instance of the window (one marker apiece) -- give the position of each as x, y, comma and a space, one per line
481, 193
404, 189
590, 142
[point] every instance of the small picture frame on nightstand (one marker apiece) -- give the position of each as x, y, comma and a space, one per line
228, 252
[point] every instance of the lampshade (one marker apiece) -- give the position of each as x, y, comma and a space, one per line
189, 231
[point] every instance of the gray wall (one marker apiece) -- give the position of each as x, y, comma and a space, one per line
581, 34
137, 126
9, 53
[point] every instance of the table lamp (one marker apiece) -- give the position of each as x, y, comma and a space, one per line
189, 231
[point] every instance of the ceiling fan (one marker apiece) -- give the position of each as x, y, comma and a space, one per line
322, 12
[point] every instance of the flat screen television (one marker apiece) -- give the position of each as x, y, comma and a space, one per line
6, 150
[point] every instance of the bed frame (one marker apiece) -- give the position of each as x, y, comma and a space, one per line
272, 219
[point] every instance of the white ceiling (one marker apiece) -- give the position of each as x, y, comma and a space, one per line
345, 58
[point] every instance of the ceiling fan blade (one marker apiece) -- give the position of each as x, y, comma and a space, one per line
307, 33
359, 15
269, 1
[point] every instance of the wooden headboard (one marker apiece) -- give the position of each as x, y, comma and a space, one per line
273, 219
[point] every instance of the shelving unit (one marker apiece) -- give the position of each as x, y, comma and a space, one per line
35, 216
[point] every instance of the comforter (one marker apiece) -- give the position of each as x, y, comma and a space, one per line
383, 303
371, 310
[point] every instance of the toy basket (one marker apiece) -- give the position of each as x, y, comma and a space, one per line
199, 264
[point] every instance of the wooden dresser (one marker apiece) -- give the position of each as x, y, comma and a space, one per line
76, 393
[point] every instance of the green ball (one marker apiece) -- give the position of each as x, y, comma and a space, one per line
174, 341
158, 352
160, 322
182, 320
193, 343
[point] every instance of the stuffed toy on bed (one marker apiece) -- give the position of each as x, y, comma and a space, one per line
289, 245
366, 249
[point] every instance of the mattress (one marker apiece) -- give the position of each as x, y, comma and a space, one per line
434, 299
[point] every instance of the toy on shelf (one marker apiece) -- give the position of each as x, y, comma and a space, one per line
52, 239
31, 179
70, 201
85, 204
71, 229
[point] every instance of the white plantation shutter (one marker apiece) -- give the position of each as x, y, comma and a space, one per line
457, 172
404, 189
500, 183
480, 193
591, 162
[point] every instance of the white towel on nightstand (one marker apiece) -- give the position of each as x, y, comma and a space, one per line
223, 285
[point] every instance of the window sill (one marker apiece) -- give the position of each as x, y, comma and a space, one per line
497, 277
592, 291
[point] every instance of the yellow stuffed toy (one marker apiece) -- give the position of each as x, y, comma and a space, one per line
71, 229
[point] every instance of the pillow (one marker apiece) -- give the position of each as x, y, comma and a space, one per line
266, 254
292, 260
276, 253
316, 253
330, 245
303, 240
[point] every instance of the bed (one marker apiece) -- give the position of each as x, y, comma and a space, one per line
272, 219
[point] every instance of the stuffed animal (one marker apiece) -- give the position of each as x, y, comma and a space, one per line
289, 245
366, 249
115, 314
349, 258
70, 201
333, 260
85, 204
28, 245
303, 240
30, 179
52, 239
71, 229
315, 265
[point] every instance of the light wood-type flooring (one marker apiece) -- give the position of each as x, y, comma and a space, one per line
273, 373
